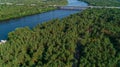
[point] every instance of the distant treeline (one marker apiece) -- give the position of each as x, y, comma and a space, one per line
103, 2
87, 39
33, 1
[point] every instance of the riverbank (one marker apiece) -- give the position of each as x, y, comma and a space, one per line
32, 21
18, 11
27, 14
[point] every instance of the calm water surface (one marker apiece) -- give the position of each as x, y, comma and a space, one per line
32, 21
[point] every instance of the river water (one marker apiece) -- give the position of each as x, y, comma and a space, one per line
32, 21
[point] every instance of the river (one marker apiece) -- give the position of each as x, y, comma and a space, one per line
32, 21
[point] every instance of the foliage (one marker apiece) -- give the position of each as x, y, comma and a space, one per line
87, 39
103, 2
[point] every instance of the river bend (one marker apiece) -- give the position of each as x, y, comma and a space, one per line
32, 21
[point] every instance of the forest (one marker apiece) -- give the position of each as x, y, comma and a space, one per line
103, 2
15, 11
87, 39
90, 38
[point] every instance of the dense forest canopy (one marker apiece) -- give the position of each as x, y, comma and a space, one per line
87, 39
103, 2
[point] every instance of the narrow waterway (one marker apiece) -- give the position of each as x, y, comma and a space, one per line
32, 21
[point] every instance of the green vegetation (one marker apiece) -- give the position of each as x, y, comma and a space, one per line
87, 39
43, 2
103, 2
15, 11
22, 1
